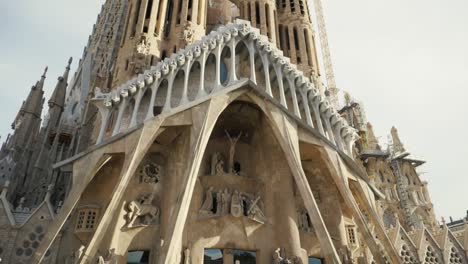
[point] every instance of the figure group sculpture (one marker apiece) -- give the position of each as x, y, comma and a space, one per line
223, 202
141, 212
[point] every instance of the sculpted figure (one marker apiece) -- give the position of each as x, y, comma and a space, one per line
236, 204
255, 212
219, 203
217, 164
277, 259
207, 207
78, 254
187, 256
151, 173
232, 150
142, 212
226, 200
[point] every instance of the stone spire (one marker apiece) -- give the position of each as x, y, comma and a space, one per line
372, 142
29, 116
58, 96
397, 145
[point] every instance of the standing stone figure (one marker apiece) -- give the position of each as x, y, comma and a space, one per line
219, 202
187, 256
232, 150
78, 254
207, 207
217, 164
236, 204
226, 200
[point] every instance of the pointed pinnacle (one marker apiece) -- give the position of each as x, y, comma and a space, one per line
69, 62
45, 71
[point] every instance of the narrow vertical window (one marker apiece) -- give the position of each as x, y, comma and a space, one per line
149, 8
179, 11
308, 47
167, 28
189, 11
296, 46
257, 15
136, 17
292, 6
249, 12
301, 6
281, 37
267, 17
288, 44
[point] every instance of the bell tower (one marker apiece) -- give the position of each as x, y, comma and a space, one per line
154, 30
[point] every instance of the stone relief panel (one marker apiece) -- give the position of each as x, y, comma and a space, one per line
150, 172
223, 202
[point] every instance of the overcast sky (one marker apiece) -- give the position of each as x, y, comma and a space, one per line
407, 61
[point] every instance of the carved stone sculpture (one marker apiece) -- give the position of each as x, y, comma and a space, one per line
226, 201
109, 258
236, 204
255, 212
304, 222
217, 164
150, 173
187, 256
207, 207
78, 253
232, 150
141, 212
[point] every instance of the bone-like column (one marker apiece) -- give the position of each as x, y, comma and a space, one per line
133, 158
286, 134
84, 171
339, 175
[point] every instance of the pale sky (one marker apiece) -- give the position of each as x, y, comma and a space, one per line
407, 61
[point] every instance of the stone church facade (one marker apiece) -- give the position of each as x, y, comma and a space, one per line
199, 131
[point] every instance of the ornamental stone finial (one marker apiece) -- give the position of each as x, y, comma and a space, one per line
397, 144
372, 142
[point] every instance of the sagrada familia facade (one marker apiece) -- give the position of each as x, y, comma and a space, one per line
200, 131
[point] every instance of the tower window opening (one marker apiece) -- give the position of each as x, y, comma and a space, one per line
189, 12
293, 7
267, 17
296, 45
167, 29
283, 4
301, 6
249, 12
149, 8
179, 11
136, 17
257, 15
288, 44
308, 47
281, 37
